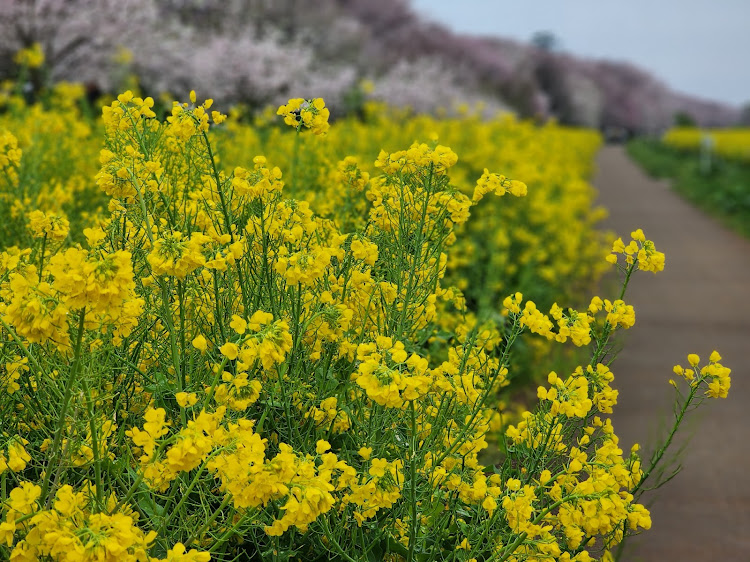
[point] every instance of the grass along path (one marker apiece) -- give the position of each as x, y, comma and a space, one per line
722, 188
698, 304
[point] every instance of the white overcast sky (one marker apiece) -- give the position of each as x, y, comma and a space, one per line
699, 47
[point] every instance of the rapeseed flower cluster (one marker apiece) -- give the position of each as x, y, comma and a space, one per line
714, 374
311, 114
43, 224
225, 374
638, 249
31, 57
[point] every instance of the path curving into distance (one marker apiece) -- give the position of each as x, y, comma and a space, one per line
700, 302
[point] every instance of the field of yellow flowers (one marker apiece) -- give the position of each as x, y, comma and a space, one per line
230, 342
728, 143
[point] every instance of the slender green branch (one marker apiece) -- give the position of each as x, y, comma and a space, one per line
67, 393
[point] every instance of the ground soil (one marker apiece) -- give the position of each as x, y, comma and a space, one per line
700, 302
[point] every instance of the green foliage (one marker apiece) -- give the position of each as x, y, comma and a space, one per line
683, 119
724, 192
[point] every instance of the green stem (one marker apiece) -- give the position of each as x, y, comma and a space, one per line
603, 339
628, 274
131, 491
41, 256
142, 203
217, 301
413, 479
330, 537
94, 444
209, 521
295, 157
64, 408
227, 220
185, 494
214, 382
656, 459
167, 318
516, 330
228, 533
183, 345
411, 282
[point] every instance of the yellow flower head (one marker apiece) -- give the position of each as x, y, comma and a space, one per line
32, 57
311, 113
200, 343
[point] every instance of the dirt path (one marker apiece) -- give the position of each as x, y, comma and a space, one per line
700, 302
